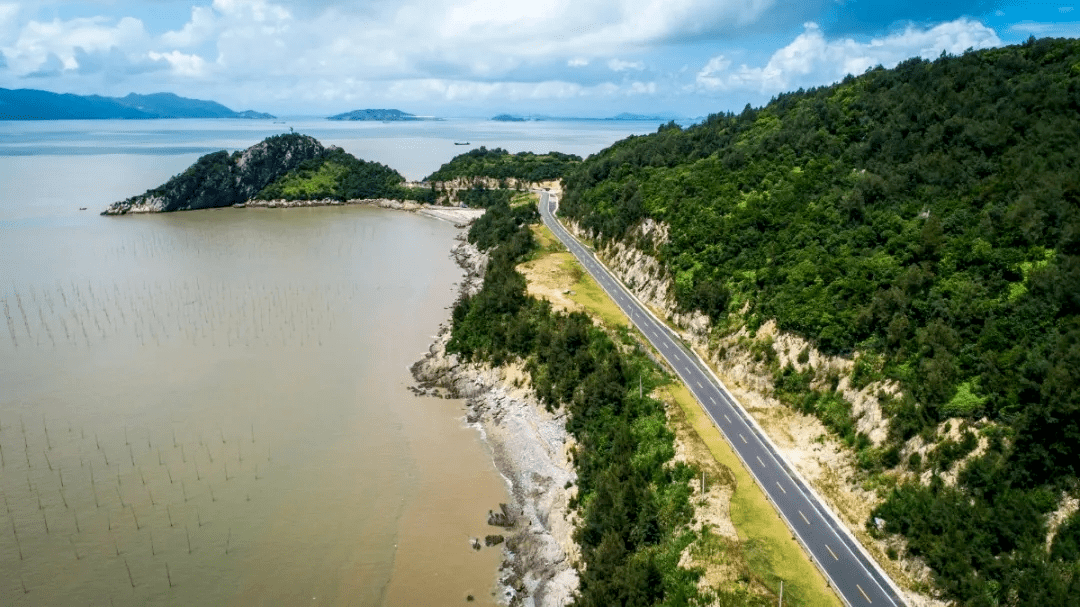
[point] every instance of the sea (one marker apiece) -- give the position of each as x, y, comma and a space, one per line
212, 407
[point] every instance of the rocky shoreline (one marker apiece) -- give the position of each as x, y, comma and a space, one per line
458, 216
531, 449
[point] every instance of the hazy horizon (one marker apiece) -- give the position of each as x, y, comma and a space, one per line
481, 58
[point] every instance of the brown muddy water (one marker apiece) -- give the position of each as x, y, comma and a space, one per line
212, 408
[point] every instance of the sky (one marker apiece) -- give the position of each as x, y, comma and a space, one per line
591, 58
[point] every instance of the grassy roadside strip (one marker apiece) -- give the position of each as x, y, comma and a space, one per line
766, 552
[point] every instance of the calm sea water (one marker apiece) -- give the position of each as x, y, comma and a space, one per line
211, 407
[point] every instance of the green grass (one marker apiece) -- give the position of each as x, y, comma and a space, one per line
313, 184
771, 553
524, 199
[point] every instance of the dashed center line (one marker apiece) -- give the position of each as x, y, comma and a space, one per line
728, 419
804, 517
781, 487
700, 386
759, 461
831, 552
863, 593
713, 400
742, 437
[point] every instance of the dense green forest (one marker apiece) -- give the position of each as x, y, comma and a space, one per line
634, 501
500, 164
926, 217
222, 179
338, 175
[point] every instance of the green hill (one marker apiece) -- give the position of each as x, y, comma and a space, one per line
499, 164
289, 166
926, 217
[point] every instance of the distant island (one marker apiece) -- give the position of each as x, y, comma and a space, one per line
32, 104
382, 115
508, 118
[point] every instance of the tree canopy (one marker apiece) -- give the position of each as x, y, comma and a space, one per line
927, 217
500, 164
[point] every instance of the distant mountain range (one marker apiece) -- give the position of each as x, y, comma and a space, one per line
383, 115
31, 104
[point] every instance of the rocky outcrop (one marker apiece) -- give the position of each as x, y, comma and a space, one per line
531, 449
222, 179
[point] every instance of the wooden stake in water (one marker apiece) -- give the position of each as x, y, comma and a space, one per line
153, 550
138, 527
73, 547
170, 474
188, 534
168, 575
168, 510
76, 516
183, 456
183, 487
130, 579
198, 476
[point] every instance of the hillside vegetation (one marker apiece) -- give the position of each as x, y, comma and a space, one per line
500, 164
290, 166
338, 175
927, 219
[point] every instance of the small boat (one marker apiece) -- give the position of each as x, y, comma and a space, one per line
82, 208
461, 143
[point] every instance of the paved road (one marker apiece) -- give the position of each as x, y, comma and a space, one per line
857, 580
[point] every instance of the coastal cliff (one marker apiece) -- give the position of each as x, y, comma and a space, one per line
222, 179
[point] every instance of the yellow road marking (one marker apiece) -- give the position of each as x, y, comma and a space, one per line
831, 552
863, 593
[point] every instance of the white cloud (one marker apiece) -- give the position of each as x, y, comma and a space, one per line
184, 65
39, 42
1061, 29
618, 65
202, 26
811, 60
577, 62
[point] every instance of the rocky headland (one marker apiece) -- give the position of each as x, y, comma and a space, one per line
531, 449
222, 179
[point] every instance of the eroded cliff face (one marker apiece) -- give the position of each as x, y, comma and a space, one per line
222, 179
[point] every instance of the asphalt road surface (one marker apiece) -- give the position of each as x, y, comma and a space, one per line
852, 573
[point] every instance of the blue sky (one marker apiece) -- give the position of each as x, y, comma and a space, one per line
481, 57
